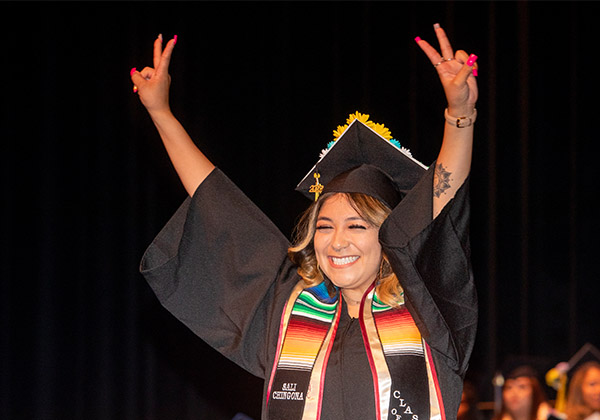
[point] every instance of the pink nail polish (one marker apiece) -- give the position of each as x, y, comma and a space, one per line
472, 60
436, 26
133, 70
475, 73
417, 39
175, 40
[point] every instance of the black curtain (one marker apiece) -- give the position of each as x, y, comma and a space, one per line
260, 86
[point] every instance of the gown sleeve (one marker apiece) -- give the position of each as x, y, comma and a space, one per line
219, 266
431, 258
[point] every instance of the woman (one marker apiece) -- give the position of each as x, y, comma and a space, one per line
583, 401
523, 397
371, 314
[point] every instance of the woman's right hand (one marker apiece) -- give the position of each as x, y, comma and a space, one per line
152, 83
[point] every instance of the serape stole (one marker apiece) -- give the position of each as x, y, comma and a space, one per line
403, 374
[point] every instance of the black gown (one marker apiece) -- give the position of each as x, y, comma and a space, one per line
220, 266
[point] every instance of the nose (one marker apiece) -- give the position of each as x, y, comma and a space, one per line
339, 241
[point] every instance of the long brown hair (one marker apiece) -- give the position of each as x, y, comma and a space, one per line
576, 407
302, 252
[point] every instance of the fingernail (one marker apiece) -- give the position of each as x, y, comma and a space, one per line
417, 39
160, 37
475, 73
436, 26
133, 70
175, 40
472, 59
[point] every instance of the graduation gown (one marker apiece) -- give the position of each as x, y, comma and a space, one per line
220, 266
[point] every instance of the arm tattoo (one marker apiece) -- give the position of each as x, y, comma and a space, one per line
441, 180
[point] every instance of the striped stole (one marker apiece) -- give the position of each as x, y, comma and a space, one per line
403, 374
296, 381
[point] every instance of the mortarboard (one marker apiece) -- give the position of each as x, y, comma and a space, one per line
363, 158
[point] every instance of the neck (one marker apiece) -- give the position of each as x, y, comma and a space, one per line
352, 308
352, 298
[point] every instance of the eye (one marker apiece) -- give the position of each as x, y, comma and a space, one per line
356, 226
322, 227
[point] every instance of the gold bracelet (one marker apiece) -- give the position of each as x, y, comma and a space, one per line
461, 122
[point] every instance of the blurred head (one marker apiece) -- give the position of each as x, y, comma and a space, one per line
517, 395
522, 394
584, 391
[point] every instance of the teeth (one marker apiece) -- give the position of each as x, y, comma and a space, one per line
344, 260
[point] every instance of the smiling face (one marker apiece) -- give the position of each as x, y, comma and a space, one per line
346, 246
590, 389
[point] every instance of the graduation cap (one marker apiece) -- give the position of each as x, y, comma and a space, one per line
558, 376
363, 158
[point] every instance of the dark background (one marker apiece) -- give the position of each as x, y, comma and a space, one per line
260, 86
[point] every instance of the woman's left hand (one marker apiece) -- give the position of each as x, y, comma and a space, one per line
457, 73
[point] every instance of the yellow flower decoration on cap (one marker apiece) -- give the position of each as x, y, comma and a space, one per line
363, 118
340, 130
382, 131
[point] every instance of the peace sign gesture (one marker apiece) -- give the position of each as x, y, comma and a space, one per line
152, 83
457, 73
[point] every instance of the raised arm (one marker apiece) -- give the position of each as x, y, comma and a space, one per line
152, 85
457, 73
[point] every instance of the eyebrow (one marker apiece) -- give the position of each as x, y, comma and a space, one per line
353, 218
